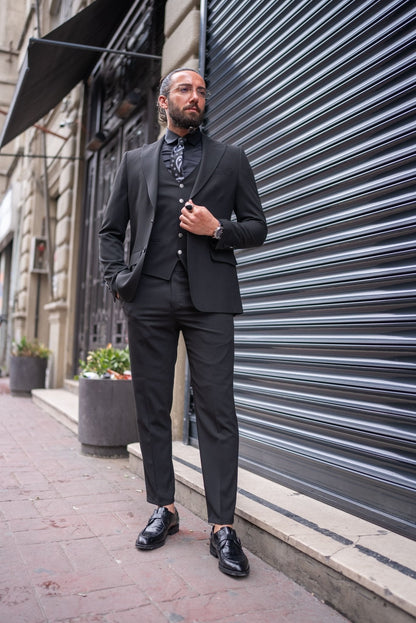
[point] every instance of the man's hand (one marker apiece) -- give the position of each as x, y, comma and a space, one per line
199, 220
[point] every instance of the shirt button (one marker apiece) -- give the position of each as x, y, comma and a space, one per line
179, 252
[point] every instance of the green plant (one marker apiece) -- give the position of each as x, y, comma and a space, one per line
24, 348
107, 361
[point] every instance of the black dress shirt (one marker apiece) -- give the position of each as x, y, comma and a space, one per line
192, 152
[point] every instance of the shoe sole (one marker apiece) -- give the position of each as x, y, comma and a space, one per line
172, 530
237, 574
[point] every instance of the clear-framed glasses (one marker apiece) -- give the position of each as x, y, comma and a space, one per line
187, 89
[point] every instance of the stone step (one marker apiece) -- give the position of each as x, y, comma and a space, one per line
71, 385
365, 572
60, 403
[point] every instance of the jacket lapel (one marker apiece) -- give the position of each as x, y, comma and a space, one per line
212, 153
150, 166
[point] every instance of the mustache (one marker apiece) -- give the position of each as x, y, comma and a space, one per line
194, 106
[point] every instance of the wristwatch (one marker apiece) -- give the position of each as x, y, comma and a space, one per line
218, 232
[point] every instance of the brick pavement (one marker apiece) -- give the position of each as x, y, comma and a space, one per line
68, 526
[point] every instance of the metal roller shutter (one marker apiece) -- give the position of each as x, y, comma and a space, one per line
321, 96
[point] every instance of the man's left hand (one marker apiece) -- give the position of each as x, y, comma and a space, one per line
199, 220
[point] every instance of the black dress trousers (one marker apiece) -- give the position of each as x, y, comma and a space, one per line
160, 310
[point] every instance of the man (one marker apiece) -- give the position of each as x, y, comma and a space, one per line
178, 194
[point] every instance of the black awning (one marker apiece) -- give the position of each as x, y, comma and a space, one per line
49, 72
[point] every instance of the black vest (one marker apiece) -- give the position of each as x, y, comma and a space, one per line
167, 243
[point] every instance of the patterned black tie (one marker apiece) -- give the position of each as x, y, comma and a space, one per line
176, 160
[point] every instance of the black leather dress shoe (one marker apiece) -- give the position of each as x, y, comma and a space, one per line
160, 524
226, 546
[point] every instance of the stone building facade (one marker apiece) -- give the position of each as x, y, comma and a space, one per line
43, 183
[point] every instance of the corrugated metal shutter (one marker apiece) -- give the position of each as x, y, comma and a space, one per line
321, 96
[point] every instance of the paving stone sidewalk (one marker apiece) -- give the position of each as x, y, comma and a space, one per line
68, 526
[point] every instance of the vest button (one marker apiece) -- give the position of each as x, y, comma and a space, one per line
180, 235
181, 200
181, 185
179, 252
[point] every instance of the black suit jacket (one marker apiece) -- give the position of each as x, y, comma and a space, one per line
224, 184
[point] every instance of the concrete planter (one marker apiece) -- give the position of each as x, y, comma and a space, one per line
106, 417
26, 373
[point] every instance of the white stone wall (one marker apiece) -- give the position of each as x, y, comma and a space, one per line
182, 24
12, 15
31, 292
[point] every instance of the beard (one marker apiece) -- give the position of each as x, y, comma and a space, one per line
184, 119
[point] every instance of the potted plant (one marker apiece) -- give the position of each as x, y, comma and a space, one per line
27, 366
106, 409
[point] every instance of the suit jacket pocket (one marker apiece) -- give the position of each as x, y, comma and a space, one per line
223, 255
127, 279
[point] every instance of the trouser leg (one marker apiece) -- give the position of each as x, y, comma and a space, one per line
153, 337
210, 345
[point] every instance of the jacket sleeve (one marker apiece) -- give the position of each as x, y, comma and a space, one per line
113, 229
250, 228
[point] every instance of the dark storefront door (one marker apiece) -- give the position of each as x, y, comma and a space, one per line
101, 321
121, 115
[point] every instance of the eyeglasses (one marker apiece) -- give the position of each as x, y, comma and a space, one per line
187, 89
